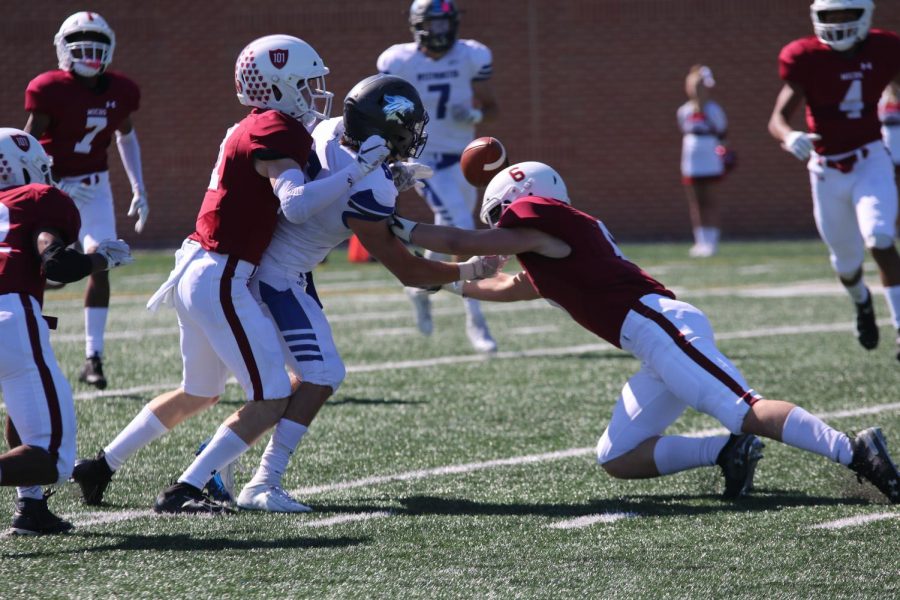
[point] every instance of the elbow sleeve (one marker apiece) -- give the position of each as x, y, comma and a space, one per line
65, 265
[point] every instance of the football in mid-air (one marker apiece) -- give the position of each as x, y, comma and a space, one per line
482, 159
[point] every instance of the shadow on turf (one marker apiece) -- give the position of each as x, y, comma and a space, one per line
184, 543
662, 505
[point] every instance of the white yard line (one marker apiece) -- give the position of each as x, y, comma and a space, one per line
855, 521
588, 520
340, 519
537, 458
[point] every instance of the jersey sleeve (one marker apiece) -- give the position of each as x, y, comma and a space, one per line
58, 212
374, 197
383, 62
278, 135
522, 213
38, 99
788, 61
482, 61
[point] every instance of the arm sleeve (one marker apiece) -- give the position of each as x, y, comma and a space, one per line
130, 151
65, 264
301, 201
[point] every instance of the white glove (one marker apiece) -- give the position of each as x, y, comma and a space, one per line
407, 174
76, 190
116, 253
372, 153
480, 267
466, 114
800, 143
402, 228
140, 208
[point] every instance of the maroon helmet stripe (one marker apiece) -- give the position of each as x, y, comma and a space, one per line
237, 330
50, 394
698, 357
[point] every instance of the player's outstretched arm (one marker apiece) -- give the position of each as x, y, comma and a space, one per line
500, 288
464, 242
412, 270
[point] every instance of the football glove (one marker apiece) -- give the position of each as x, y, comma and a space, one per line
480, 267
466, 114
372, 153
116, 253
408, 174
139, 208
76, 190
800, 143
402, 228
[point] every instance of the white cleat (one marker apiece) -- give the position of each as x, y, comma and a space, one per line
702, 251
422, 303
479, 335
269, 498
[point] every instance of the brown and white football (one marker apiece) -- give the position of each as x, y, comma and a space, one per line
483, 158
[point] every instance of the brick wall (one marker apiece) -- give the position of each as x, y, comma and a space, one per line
590, 86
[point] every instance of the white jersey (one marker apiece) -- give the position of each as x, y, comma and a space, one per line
702, 132
443, 83
299, 248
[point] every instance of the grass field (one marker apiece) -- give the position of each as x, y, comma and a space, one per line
435, 473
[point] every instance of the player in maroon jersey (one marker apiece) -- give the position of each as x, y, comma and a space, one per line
840, 73
37, 222
259, 172
74, 112
571, 259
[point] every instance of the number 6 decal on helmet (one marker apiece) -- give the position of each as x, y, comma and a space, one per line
516, 173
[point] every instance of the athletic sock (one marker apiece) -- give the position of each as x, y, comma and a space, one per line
34, 492
473, 310
699, 236
142, 430
892, 295
808, 432
858, 291
94, 326
285, 439
224, 448
712, 236
674, 453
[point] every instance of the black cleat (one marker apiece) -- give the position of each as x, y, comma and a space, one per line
92, 475
866, 327
738, 460
183, 498
871, 461
92, 372
32, 517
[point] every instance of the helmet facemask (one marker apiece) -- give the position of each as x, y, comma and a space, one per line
837, 31
85, 44
436, 34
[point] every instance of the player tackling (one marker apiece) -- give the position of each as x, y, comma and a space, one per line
840, 73
571, 259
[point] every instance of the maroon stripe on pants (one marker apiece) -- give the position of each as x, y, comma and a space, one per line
34, 336
237, 330
698, 357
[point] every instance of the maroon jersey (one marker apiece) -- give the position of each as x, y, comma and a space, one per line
842, 90
82, 120
24, 210
240, 210
594, 283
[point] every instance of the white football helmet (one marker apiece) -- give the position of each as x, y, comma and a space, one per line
515, 181
842, 36
286, 74
22, 159
85, 44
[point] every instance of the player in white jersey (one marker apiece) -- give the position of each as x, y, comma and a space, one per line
379, 105
889, 113
453, 79
703, 125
